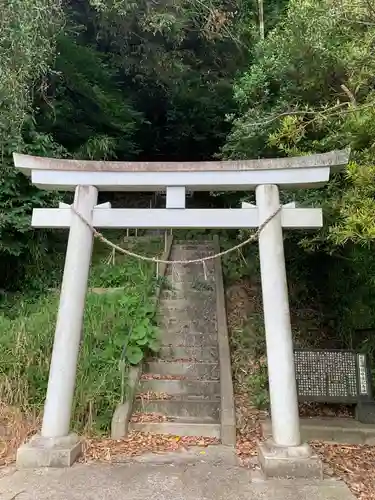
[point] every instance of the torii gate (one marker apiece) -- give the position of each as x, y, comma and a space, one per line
55, 446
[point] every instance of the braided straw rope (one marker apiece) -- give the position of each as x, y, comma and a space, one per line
156, 260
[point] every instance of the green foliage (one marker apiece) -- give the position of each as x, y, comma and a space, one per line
20, 246
111, 80
27, 29
118, 330
90, 116
27, 41
356, 207
309, 89
258, 386
177, 60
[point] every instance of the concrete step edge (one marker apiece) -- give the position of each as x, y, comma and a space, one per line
179, 428
181, 388
331, 430
208, 364
201, 408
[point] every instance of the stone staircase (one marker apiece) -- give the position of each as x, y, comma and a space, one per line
182, 387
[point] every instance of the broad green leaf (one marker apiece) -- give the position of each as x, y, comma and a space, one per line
134, 354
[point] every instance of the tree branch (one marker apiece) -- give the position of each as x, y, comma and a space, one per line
325, 112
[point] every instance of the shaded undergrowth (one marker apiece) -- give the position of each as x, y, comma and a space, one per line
118, 330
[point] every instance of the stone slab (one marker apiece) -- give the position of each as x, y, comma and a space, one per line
179, 428
186, 293
192, 275
292, 462
136, 481
185, 325
190, 339
49, 452
208, 353
206, 388
191, 369
194, 303
205, 408
331, 430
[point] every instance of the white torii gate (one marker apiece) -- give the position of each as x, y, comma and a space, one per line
55, 446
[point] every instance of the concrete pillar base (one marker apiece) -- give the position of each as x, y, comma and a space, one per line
289, 462
49, 452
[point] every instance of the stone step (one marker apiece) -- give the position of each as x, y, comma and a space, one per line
191, 267
189, 339
203, 408
185, 326
170, 352
206, 388
195, 278
167, 318
193, 247
194, 250
186, 258
180, 427
188, 369
192, 304
186, 293
191, 281
331, 430
206, 243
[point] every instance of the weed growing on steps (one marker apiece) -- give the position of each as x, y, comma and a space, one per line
118, 330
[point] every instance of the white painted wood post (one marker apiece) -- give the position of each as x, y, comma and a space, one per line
62, 375
280, 356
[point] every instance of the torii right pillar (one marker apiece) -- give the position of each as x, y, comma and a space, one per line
284, 455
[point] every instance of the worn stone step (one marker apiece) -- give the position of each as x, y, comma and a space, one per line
194, 279
209, 353
198, 325
204, 242
182, 427
191, 267
194, 247
194, 243
193, 303
205, 388
186, 283
172, 292
207, 408
204, 370
189, 257
331, 430
189, 339
196, 320
185, 261
165, 314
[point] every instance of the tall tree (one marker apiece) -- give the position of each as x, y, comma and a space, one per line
310, 88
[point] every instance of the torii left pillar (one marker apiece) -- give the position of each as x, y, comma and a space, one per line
55, 446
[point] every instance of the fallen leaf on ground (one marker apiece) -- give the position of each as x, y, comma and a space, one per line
153, 376
353, 464
137, 443
148, 417
149, 395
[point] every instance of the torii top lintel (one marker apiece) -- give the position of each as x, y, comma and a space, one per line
63, 174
